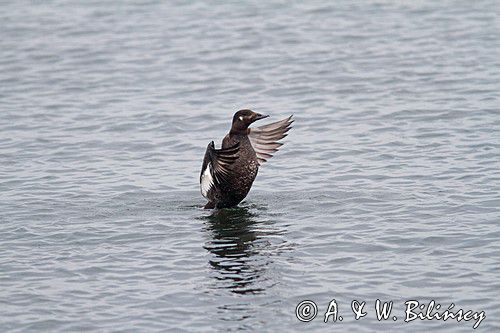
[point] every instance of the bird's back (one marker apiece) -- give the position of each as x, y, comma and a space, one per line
243, 170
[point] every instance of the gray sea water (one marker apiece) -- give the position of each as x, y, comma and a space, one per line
387, 187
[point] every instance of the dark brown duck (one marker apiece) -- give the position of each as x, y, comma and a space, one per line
227, 174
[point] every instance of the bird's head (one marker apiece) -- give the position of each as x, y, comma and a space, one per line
243, 118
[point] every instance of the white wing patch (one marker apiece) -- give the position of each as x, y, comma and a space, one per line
206, 180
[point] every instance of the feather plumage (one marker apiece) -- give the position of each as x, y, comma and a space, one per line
215, 169
264, 139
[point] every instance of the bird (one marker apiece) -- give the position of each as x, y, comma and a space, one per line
227, 173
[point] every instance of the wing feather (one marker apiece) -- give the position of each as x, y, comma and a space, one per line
264, 139
215, 168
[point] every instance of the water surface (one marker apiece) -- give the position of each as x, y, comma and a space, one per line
387, 187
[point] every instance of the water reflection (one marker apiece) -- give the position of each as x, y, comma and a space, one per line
240, 249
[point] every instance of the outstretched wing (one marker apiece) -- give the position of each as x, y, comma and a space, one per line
214, 170
264, 139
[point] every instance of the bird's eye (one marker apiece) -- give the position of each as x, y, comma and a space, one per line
241, 118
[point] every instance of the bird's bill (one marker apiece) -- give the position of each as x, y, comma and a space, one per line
259, 116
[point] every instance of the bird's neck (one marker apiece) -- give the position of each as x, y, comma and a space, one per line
238, 131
